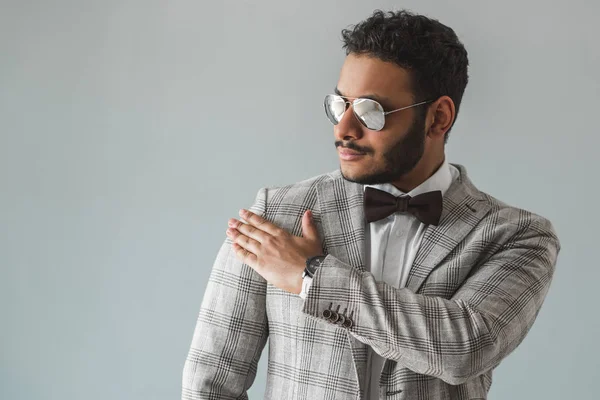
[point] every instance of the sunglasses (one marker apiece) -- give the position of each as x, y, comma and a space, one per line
369, 112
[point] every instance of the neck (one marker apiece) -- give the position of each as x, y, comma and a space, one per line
420, 173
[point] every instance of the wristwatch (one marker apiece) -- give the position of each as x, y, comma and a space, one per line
312, 263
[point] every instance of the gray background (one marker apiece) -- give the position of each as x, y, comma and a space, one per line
130, 131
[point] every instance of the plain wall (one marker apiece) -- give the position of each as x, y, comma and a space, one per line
130, 131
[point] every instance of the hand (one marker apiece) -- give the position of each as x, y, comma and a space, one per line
275, 254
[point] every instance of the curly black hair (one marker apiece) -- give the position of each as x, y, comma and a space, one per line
429, 50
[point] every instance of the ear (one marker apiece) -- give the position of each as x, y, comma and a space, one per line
440, 117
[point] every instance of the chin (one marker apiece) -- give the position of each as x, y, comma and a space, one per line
354, 173
366, 177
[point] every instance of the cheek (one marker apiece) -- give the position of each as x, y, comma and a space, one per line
383, 145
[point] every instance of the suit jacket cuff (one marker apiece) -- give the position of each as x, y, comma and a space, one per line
330, 289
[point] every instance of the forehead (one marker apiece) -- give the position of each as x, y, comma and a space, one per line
363, 75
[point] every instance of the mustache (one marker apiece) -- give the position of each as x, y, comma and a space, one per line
350, 146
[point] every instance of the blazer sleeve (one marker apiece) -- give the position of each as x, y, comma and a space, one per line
451, 339
231, 330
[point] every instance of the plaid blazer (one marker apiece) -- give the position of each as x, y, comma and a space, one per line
474, 290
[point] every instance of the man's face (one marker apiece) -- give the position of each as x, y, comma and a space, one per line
393, 151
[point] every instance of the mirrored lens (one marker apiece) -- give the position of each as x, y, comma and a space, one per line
335, 106
370, 113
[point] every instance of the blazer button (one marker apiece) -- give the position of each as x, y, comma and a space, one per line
348, 321
342, 318
334, 315
327, 313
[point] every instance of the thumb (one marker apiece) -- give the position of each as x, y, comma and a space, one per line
309, 229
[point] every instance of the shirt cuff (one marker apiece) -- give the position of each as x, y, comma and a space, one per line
306, 282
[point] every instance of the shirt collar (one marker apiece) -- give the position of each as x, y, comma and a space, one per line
440, 180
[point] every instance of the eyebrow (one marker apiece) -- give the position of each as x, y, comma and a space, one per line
384, 101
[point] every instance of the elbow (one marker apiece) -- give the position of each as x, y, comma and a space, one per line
456, 378
483, 353
471, 366
461, 374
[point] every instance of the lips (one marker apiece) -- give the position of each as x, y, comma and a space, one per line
350, 155
348, 152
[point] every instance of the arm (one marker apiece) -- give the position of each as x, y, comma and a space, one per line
231, 330
453, 339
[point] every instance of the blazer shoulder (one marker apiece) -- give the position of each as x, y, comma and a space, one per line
304, 186
291, 198
518, 219
503, 216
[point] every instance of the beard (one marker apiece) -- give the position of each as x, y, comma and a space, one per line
399, 159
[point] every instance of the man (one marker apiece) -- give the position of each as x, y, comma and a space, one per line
393, 277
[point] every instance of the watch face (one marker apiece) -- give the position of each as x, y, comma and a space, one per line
314, 264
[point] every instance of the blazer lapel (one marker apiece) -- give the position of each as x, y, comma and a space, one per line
463, 208
342, 219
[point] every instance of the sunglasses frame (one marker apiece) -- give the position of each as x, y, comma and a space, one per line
354, 99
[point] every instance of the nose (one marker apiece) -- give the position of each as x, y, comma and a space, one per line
349, 127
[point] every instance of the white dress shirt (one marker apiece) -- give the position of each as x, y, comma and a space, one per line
392, 245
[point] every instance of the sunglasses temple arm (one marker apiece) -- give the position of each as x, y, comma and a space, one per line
404, 108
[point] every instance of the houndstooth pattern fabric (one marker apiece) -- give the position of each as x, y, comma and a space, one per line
473, 292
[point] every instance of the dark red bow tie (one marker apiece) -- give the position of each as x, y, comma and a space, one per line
427, 207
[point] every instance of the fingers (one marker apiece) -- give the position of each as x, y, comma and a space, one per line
309, 229
247, 237
260, 223
245, 242
248, 230
246, 256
